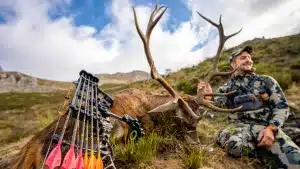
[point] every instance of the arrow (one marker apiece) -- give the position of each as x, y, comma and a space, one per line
79, 160
58, 120
92, 156
69, 160
86, 159
99, 163
54, 159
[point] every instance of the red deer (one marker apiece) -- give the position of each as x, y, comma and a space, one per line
137, 103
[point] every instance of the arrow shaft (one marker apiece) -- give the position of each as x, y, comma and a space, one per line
73, 102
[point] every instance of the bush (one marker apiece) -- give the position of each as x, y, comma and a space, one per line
188, 87
295, 74
284, 78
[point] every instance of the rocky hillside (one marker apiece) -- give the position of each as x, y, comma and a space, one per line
123, 78
20, 82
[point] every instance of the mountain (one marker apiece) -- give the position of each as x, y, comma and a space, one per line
123, 78
20, 82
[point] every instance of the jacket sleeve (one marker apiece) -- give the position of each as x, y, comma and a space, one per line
278, 102
221, 101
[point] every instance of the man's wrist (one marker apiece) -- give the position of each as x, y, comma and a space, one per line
273, 128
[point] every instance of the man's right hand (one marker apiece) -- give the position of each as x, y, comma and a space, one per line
204, 87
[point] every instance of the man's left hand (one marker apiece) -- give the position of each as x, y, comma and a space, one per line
265, 138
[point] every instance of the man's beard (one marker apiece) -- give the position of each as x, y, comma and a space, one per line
245, 70
251, 70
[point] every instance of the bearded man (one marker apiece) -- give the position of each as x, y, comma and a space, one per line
256, 130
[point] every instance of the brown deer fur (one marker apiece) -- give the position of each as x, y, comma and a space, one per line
130, 101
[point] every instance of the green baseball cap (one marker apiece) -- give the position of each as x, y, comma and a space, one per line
239, 51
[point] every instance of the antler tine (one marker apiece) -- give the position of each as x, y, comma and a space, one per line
208, 20
201, 101
152, 23
154, 73
219, 94
229, 36
213, 107
138, 27
218, 73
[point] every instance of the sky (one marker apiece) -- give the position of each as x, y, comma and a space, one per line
55, 39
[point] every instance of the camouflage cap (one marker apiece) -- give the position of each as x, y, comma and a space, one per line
238, 51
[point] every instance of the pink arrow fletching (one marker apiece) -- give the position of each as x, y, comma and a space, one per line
54, 158
69, 161
79, 161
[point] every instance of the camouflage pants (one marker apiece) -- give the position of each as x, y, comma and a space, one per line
239, 139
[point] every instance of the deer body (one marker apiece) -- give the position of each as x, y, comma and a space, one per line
130, 101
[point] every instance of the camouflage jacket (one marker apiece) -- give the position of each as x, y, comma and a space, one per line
272, 108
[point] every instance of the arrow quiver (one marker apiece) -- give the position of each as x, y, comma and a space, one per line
90, 108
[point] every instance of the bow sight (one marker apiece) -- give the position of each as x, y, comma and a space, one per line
89, 106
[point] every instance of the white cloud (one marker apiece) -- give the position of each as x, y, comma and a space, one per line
268, 18
56, 49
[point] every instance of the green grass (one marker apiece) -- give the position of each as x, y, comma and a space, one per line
196, 158
13, 100
136, 153
22, 114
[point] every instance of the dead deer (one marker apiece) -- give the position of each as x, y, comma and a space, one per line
137, 103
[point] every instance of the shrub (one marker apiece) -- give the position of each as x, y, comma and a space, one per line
284, 78
188, 87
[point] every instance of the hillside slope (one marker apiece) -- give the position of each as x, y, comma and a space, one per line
123, 78
20, 82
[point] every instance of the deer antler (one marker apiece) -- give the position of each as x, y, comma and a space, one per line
154, 74
222, 39
215, 72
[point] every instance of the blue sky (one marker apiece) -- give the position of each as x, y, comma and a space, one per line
55, 39
93, 12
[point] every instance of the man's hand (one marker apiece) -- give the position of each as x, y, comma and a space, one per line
204, 87
265, 138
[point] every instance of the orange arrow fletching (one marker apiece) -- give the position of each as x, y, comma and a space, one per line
99, 162
86, 161
92, 161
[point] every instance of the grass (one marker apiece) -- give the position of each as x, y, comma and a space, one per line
136, 153
14, 100
196, 158
22, 114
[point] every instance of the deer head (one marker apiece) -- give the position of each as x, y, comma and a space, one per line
178, 101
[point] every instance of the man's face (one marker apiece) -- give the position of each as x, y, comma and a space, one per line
243, 60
